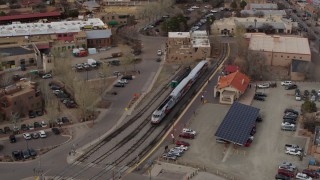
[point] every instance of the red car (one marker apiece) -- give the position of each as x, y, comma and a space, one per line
186, 135
311, 173
179, 143
286, 173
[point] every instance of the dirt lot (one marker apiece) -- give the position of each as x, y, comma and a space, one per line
259, 161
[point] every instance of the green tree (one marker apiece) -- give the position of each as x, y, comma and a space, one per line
243, 4
308, 107
2, 13
175, 24
234, 5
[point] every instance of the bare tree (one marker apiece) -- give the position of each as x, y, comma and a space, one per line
86, 99
242, 45
51, 104
127, 57
254, 64
104, 72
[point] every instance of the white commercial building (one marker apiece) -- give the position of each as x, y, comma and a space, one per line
29, 29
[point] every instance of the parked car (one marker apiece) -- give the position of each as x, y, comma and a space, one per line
17, 155
118, 84
186, 135
186, 130
169, 156
259, 119
311, 173
286, 83
298, 98
306, 93
37, 125
286, 168
287, 124
289, 164
293, 146
259, 98
30, 127
128, 77
42, 134
26, 136
174, 153
46, 76
26, 154
290, 116
183, 143
290, 121
282, 177
43, 124
260, 94
291, 111
24, 127
12, 138
123, 81
55, 131
32, 152
286, 173
6, 130
292, 86
303, 176
185, 148
264, 85
35, 135
32, 114
159, 52
293, 152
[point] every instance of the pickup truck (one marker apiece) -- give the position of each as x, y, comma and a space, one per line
293, 146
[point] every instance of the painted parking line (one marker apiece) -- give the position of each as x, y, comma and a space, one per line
179, 118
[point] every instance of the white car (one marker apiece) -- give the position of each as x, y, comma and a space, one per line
264, 85
213, 11
303, 176
293, 152
194, 7
43, 124
298, 98
46, 76
286, 83
185, 148
190, 131
287, 124
288, 164
123, 81
26, 136
190, 9
42, 134
159, 53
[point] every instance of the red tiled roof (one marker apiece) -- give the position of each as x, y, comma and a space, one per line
237, 80
231, 68
26, 16
28, 2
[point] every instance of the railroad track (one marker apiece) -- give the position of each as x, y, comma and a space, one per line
103, 142
130, 136
152, 128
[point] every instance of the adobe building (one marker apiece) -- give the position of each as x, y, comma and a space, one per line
187, 46
231, 87
20, 98
281, 51
17, 56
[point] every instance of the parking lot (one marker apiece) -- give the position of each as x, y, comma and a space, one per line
261, 160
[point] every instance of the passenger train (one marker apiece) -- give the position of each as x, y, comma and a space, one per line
178, 92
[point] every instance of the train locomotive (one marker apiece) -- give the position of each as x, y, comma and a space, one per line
178, 92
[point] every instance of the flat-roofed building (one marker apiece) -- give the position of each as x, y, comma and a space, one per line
266, 6
19, 99
265, 13
17, 56
98, 38
188, 46
280, 50
271, 25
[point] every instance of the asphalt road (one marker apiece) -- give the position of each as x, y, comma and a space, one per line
55, 161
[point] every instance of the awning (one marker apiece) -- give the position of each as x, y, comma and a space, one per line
112, 23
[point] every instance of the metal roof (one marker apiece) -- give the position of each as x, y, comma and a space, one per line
98, 34
237, 124
26, 16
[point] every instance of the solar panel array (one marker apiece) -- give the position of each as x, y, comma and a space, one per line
237, 124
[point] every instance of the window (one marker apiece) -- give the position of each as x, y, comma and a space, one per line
30, 97
31, 61
22, 61
64, 35
281, 56
300, 57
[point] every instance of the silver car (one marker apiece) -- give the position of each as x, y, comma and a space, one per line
288, 164
169, 156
